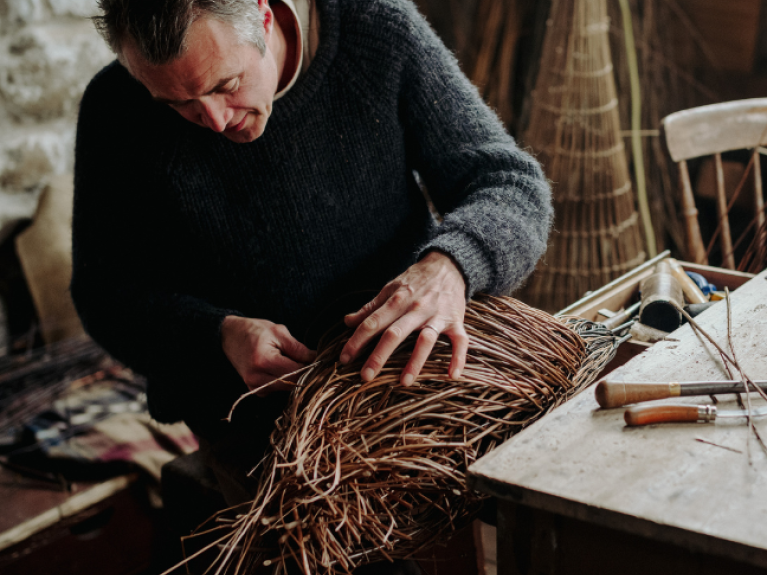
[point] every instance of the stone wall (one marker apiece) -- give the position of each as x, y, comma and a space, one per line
49, 51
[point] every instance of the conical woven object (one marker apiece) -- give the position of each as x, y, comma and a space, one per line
574, 128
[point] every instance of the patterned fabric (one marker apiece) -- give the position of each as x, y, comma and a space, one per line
107, 423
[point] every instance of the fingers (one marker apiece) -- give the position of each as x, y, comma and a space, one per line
282, 355
460, 342
277, 365
423, 347
392, 337
262, 351
292, 348
356, 318
396, 334
273, 371
398, 305
429, 293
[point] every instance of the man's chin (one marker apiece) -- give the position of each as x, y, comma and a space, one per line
249, 133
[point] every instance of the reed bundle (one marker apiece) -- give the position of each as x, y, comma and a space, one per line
364, 471
494, 41
575, 129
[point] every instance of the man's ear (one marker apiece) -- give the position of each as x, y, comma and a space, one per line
263, 5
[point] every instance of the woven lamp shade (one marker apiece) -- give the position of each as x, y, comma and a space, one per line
575, 131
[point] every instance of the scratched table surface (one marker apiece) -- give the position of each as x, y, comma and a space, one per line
658, 481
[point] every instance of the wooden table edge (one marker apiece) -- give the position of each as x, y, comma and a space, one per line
690, 540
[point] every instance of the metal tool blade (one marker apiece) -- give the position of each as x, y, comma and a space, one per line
742, 413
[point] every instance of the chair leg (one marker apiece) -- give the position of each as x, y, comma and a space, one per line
758, 192
728, 258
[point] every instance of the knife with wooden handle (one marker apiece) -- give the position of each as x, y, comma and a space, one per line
649, 414
619, 393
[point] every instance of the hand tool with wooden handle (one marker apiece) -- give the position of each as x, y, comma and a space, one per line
649, 414
691, 291
621, 317
619, 393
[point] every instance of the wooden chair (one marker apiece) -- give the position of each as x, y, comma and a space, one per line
712, 130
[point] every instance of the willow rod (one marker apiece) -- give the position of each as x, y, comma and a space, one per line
636, 127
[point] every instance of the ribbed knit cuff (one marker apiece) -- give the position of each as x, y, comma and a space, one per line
477, 269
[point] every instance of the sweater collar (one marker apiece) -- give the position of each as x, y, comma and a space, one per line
308, 84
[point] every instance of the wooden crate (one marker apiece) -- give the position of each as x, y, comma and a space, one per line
624, 291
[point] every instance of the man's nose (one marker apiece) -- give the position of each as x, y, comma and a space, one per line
213, 113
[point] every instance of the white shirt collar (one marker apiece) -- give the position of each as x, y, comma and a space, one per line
302, 26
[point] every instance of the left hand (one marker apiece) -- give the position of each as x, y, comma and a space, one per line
430, 296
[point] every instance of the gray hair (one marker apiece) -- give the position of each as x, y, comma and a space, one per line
160, 27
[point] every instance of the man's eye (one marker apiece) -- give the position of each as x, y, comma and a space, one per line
232, 86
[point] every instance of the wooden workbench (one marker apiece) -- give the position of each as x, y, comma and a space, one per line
579, 492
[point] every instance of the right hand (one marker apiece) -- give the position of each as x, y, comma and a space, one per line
262, 351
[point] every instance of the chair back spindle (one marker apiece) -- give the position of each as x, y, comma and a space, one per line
759, 194
728, 259
695, 246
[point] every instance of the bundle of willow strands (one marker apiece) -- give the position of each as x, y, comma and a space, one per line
574, 127
365, 471
496, 31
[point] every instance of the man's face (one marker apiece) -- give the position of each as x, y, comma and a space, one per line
218, 83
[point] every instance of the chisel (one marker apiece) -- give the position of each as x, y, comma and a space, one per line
649, 414
620, 393
621, 317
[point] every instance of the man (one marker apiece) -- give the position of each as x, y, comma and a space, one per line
243, 169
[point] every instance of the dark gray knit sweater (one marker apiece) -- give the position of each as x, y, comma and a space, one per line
175, 226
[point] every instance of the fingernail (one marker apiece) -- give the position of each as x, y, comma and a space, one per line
367, 374
345, 358
456, 374
408, 379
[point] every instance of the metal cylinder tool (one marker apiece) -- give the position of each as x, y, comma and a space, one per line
662, 298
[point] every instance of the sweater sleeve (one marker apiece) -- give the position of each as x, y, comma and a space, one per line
495, 199
129, 261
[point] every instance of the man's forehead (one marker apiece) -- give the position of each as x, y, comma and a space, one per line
209, 60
